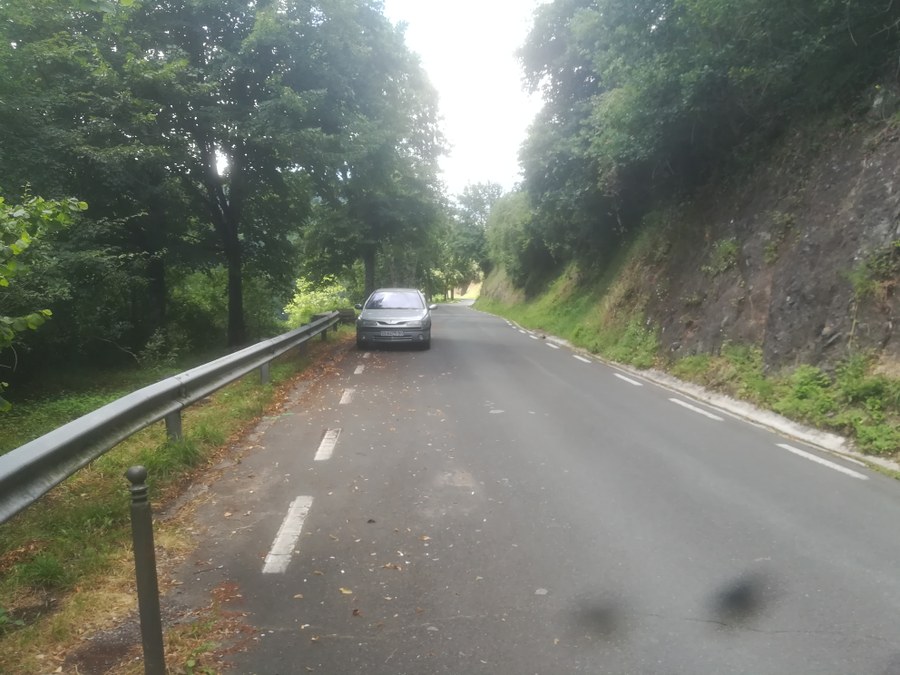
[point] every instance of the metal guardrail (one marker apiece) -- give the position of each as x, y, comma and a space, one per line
31, 470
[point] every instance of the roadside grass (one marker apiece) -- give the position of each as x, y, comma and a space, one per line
607, 319
854, 401
65, 563
73, 393
604, 316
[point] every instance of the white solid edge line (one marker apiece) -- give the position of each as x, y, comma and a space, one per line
551, 345
855, 461
347, 396
359, 370
685, 404
279, 556
326, 447
581, 358
822, 461
629, 380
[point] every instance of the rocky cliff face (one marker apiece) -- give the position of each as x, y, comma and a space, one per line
802, 256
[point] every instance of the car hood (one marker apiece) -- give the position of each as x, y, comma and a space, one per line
393, 315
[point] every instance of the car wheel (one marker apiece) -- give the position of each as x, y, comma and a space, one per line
426, 344
360, 345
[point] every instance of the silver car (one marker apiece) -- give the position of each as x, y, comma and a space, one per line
392, 315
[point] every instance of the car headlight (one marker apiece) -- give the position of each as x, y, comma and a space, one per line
414, 324
366, 323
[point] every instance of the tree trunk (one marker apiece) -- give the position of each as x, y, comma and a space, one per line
368, 257
237, 328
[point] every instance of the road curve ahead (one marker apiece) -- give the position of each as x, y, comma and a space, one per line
499, 505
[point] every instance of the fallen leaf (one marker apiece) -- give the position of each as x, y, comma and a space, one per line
319, 573
356, 612
392, 566
425, 537
299, 596
333, 538
228, 514
556, 641
370, 521
314, 638
346, 591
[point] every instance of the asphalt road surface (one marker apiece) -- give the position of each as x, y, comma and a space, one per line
500, 505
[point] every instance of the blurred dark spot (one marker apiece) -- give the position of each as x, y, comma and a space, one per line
600, 617
741, 599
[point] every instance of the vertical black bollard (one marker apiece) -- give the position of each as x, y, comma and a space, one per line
145, 573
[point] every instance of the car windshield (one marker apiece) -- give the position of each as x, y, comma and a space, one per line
395, 300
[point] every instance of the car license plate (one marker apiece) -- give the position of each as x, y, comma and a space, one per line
392, 333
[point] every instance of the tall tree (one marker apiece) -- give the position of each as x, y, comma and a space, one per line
387, 193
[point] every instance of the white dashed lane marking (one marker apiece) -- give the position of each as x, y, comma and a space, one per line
695, 409
359, 370
326, 447
348, 396
581, 358
629, 380
279, 556
824, 462
552, 346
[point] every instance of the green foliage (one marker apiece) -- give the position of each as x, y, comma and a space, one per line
8, 623
724, 257
878, 273
637, 345
315, 298
853, 401
45, 570
209, 136
21, 226
650, 98
808, 395
515, 242
467, 240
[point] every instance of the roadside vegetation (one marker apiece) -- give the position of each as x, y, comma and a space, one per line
66, 569
853, 399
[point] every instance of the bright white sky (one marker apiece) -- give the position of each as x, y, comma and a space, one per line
468, 50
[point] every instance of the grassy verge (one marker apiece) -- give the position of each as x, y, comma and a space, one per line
65, 563
853, 401
605, 317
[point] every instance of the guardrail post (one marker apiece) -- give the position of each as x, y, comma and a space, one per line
264, 373
173, 426
145, 573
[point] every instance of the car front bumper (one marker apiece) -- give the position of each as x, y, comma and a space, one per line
393, 335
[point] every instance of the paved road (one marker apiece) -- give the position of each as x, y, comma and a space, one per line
497, 505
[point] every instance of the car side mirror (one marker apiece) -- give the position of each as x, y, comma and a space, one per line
432, 306
358, 305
